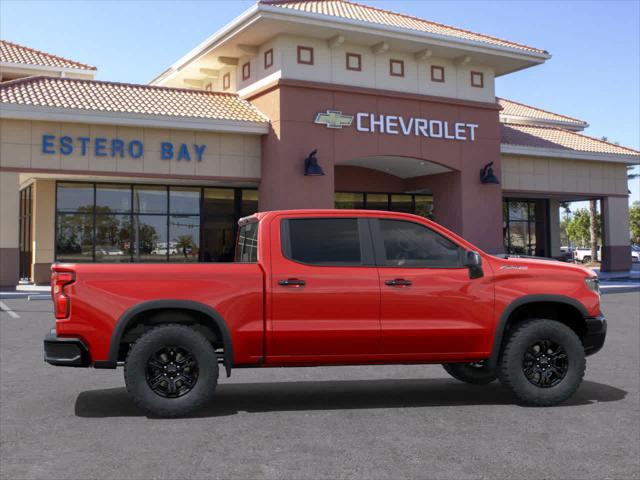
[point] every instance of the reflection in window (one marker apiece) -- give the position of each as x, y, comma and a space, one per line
113, 238
409, 244
247, 243
74, 237
150, 239
324, 241
147, 199
113, 198
148, 223
184, 234
72, 196
184, 200
218, 225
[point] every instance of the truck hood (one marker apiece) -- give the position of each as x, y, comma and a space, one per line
507, 262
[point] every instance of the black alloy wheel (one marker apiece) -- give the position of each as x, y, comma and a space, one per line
545, 363
172, 372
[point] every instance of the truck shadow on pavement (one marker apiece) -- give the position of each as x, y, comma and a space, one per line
232, 398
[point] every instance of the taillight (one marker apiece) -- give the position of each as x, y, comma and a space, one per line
61, 302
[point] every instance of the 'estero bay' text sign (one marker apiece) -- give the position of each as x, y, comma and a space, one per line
117, 147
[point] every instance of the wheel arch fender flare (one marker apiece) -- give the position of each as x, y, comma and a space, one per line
520, 302
132, 312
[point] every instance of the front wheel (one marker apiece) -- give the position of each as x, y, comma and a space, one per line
171, 370
476, 373
543, 362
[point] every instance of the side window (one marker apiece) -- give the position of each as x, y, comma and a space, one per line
322, 241
408, 244
247, 249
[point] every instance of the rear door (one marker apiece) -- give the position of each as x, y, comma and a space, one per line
325, 293
430, 307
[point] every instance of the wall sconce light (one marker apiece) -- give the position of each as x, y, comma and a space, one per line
311, 167
487, 176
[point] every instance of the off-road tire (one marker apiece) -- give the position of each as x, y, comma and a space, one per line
181, 337
471, 373
586, 259
511, 369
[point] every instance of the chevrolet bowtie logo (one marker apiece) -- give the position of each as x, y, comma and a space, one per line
334, 119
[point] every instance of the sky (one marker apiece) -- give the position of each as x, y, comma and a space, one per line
593, 75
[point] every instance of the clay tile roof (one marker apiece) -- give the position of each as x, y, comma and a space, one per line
127, 98
516, 109
559, 139
354, 11
14, 53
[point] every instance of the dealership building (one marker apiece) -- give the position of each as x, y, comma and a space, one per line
401, 113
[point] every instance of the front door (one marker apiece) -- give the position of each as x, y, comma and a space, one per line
430, 307
325, 294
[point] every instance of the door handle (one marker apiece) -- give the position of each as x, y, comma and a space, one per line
292, 282
398, 282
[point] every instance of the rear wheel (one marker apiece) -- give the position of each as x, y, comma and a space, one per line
586, 259
543, 362
171, 370
476, 373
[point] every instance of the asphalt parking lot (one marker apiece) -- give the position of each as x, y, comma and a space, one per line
341, 422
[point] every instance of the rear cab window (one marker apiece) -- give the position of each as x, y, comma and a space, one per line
324, 241
247, 245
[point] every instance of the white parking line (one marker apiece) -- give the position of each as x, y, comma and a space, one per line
11, 313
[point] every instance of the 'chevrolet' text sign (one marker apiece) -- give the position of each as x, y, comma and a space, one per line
399, 125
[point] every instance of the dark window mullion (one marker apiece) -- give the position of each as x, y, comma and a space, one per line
93, 239
168, 237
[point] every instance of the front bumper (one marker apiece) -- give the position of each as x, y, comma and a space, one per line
593, 339
65, 352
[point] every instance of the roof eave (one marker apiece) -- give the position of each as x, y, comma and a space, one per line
268, 11
48, 68
511, 149
532, 121
75, 115
208, 44
513, 51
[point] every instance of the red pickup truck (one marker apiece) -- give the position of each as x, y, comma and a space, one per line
330, 287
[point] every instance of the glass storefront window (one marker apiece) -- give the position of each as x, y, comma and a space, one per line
218, 225
184, 200
74, 237
148, 223
424, 206
149, 199
184, 234
249, 203
402, 203
74, 196
520, 227
408, 203
113, 198
377, 201
349, 200
150, 239
113, 238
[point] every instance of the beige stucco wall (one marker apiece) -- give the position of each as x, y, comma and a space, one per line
226, 155
533, 174
9, 209
616, 221
330, 67
44, 200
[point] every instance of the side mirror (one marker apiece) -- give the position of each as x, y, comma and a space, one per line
473, 261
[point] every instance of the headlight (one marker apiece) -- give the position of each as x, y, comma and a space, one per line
593, 283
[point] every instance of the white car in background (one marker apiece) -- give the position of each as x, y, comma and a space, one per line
635, 253
583, 255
